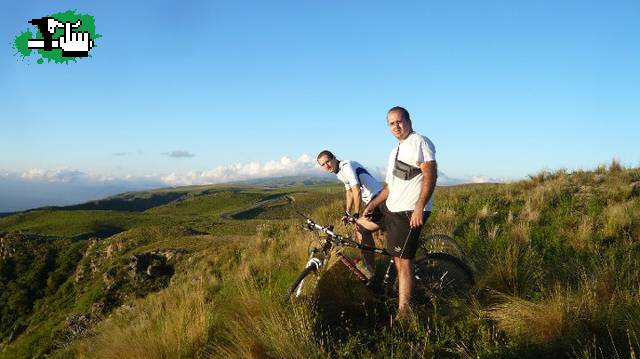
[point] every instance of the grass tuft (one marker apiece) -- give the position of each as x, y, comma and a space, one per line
172, 323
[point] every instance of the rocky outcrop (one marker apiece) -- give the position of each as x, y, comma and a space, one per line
7, 247
90, 265
153, 264
78, 326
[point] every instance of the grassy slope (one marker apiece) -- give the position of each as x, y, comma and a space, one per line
557, 263
184, 223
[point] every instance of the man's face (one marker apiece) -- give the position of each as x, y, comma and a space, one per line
400, 128
329, 165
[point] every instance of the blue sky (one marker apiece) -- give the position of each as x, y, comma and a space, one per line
503, 89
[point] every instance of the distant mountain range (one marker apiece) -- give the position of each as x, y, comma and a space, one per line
17, 195
288, 181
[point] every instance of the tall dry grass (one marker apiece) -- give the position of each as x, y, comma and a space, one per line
262, 327
443, 221
521, 232
583, 234
605, 305
172, 323
534, 322
531, 210
514, 268
254, 322
615, 166
617, 218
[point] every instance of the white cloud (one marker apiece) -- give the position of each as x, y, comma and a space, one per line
484, 179
76, 177
58, 175
38, 187
285, 166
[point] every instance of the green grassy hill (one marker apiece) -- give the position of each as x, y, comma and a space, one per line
200, 272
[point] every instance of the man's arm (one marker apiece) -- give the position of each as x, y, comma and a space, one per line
349, 200
356, 194
429, 177
381, 197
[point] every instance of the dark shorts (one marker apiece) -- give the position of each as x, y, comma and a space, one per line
377, 217
401, 240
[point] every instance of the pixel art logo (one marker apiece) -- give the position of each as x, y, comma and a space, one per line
59, 38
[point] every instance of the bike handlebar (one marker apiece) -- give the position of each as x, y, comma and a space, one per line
327, 230
338, 239
335, 238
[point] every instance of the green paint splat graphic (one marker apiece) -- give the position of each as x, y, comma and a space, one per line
20, 44
55, 55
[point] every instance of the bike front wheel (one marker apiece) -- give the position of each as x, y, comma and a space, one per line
305, 284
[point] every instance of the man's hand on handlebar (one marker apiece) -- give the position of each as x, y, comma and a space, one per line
349, 218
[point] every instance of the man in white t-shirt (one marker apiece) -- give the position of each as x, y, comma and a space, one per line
358, 184
406, 200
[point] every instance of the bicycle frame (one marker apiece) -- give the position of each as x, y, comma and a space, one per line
335, 239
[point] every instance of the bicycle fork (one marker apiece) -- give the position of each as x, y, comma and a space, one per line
314, 262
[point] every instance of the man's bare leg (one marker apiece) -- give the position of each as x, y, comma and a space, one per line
364, 229
365, 237
405, 283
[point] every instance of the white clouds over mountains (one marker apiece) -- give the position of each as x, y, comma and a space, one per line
69, 176
303, 166
51, 187
59, 175
46, 187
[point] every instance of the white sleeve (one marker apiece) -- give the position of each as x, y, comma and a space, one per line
343, 180
427, 151
350, 176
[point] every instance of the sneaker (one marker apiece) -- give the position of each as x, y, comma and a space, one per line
366, 269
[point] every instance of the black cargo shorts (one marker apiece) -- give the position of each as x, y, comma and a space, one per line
401, 240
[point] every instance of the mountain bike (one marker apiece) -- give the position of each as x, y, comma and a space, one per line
439, 268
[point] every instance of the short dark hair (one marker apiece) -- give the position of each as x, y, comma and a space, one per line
403, 112
325, 153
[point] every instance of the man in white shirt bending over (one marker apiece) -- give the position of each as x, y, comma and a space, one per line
406, 200
358, 184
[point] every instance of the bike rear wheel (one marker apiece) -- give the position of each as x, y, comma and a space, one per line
440, 275
305, 284
443, 244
